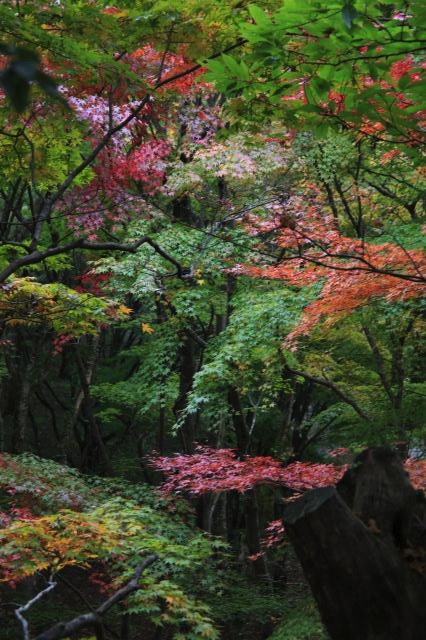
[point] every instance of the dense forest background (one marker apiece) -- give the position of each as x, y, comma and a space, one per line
211, 281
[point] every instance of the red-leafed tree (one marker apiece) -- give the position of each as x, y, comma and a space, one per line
215, 470
374, 521
354, 271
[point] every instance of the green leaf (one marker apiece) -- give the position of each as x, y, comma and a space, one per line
259, 16
234, 67
321, 87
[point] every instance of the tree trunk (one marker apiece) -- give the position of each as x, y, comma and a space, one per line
20, 433
242, 432
71, 422
251, 514
188, 368
95, 432
363, 549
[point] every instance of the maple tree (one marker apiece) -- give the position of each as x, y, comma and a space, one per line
355, 270
71, 523
331, 53
215, 470
339, 63
218, 470
211, 231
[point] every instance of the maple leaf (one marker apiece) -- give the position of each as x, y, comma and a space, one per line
124, 310
215, 470
353, 271
146, 328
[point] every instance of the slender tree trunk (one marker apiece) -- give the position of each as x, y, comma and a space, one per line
188, 369
23, 405
2, 433
241, 429
71, 423
253, 535
95, 431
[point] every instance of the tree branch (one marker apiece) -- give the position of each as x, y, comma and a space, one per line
369, 266
133, 114
64, 629
38, 256
380, 363
21, 610
331, 385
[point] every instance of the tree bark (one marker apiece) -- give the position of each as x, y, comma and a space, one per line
363, 549
242, 432
22, 410
251, 515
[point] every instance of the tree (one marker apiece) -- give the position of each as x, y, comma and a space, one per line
375, 516
339, 64
231, 259
56, 518
330, 51
71, 176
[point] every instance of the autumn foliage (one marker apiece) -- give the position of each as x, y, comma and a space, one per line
353, 271
216, 470
187, 188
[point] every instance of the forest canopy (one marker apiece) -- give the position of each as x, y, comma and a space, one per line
212, 277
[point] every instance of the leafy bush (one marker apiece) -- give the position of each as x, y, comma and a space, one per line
56, 518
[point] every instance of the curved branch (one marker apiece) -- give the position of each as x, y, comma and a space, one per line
133, 114
369, 266
22, 609
94, 618
331, 385
38, 256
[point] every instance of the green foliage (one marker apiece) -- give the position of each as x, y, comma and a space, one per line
238, 598
26, 302
279, 54
300, 621
153, 383
344, 355
22, 71
242, 160
325, 159
91, 520
247, 355
42, 156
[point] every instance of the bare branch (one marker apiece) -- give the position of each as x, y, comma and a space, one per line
21, 610
94, 618
337, 390
38, 256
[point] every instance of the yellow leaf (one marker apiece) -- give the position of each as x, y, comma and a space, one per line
146, 328
175, 601
126, 310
